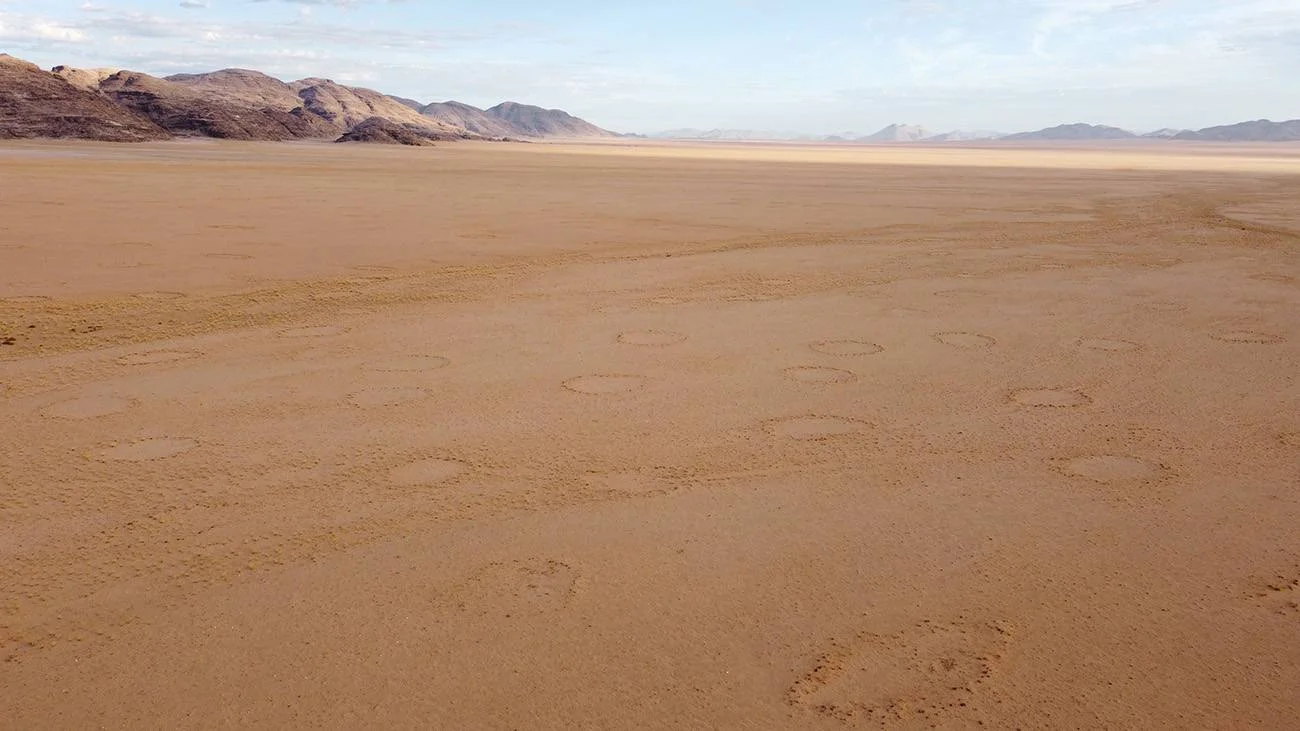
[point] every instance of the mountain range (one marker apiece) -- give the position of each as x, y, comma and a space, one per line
1257, 131
130, 106
239, 104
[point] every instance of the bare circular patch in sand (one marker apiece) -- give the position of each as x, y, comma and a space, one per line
1053, 397
603, 384
152, 296
966, 340
632, 482
426, 472
1248, 336
157, 356
144, 450
89, 407
411, 364
814, 428
386, 396
313, 331
928, 674
1109, 345
228, 255
846, 347
1111, 468
653, 338
818, 374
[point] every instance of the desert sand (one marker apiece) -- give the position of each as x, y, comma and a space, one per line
653, 436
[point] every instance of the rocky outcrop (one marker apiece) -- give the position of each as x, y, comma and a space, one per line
378, 130
36, 103
88, 79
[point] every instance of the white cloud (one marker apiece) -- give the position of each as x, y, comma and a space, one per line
25, 29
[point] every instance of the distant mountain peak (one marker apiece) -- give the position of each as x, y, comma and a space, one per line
533, 121
898, 133
1259, 130
1076, 131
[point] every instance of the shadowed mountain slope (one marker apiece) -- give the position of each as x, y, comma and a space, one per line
36, 103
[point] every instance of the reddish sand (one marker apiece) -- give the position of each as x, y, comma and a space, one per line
545, 436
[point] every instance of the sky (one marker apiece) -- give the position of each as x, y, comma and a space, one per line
808, 67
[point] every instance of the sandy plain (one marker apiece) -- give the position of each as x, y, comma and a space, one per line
542, 436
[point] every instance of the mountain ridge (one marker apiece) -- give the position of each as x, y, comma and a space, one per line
470, 117
535, 121
1262, 130
245, 104
39, 104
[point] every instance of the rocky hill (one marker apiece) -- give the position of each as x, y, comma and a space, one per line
36, 103
897, 133
471, 118
338, 107
243, 87
382, 131
1074, 132
1260, 130
185, 112
530, 121
348, 106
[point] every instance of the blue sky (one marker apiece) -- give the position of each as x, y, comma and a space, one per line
815, 67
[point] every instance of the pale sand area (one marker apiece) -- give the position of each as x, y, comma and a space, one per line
525, 436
